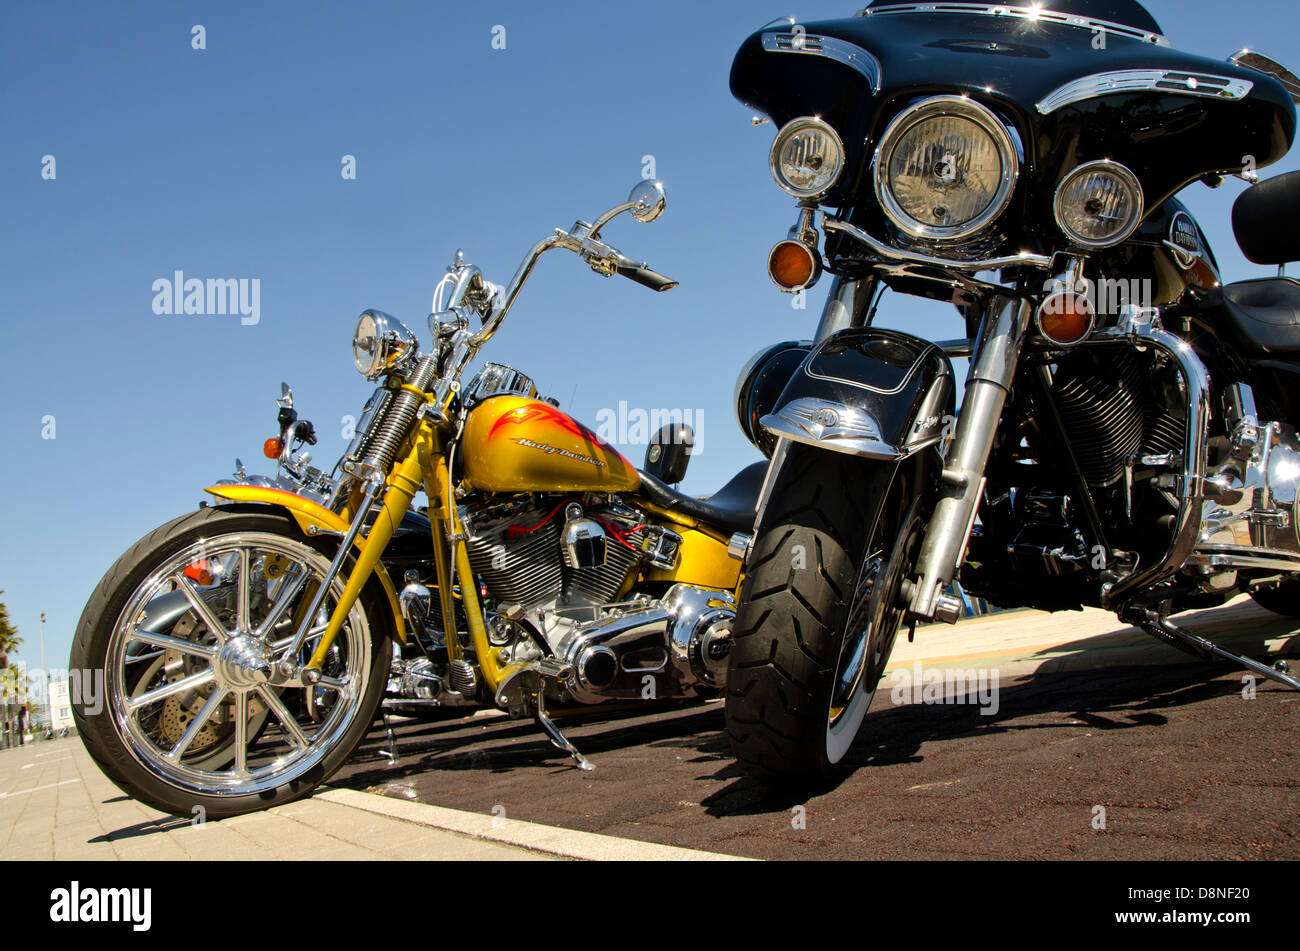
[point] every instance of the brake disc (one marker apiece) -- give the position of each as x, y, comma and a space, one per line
178, 710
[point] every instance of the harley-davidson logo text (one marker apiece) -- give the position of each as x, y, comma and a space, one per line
557, 451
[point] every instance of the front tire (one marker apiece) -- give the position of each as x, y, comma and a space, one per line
1281, 599
191, 715
820, 609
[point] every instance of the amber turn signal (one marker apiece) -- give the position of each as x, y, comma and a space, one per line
272, 448
1065, 318
793, 265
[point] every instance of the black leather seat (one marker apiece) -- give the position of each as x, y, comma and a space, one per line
1263, 315
731, 508
1264, 220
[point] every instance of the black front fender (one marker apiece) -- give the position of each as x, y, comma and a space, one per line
881, 394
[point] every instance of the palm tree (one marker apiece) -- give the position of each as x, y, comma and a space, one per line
9, 639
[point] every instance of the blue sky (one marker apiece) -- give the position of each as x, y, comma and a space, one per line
225, 162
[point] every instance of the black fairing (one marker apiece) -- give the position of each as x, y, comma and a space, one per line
1168, 139
904, 383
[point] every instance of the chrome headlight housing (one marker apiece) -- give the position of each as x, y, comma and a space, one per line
381, 343
1098, 204
807, 157
945, 169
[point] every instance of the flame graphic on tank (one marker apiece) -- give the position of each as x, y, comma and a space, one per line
545, 413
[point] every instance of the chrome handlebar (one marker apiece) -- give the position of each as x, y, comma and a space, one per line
472, 294
646, 203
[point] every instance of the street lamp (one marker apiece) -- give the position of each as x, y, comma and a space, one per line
45, 681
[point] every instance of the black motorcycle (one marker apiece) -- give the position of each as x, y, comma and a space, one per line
1127, 438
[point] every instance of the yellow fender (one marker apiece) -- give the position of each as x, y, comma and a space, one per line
313, 519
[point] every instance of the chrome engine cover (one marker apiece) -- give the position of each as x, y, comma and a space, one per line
1250, 520
682, 643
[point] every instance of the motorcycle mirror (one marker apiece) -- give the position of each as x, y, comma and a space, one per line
648, 200
286, 396
1269, 67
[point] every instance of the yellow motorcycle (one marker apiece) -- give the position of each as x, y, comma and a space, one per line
245, 648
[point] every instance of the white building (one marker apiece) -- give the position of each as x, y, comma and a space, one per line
60, 706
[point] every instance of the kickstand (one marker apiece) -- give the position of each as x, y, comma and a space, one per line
391, 753
1163, 629
556, 737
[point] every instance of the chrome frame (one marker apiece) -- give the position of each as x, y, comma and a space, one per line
1138, 327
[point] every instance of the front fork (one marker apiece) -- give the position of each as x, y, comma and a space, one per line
993, 361
992, 367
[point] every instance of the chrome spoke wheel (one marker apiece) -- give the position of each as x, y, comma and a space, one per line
195, 679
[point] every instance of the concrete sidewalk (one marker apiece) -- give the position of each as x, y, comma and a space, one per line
56, 804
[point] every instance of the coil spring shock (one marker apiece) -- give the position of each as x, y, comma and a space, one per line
395, 424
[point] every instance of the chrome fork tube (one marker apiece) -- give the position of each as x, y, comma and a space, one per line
993, 364
846, 305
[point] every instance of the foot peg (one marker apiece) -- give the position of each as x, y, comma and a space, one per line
1163, 629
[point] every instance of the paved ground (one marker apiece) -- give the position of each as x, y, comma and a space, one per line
1091, 716
56, 804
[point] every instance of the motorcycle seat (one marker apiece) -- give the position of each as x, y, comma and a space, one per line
1263, 220
731, 508
1263, 314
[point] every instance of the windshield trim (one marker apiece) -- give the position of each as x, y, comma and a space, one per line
1033, 14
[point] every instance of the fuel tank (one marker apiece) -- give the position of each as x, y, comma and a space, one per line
517, 444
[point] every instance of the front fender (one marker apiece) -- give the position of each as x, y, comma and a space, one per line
313, 519
881, 394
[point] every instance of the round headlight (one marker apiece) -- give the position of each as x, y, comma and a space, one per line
380, 342
1098, 204
945, 168
807, 157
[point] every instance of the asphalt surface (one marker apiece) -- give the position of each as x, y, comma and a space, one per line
1171, 756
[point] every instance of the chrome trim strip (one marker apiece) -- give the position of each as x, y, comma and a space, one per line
1024, 259
849, 54
1033, 14
1144, 80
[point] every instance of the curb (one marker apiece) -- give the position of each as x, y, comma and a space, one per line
567, 843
